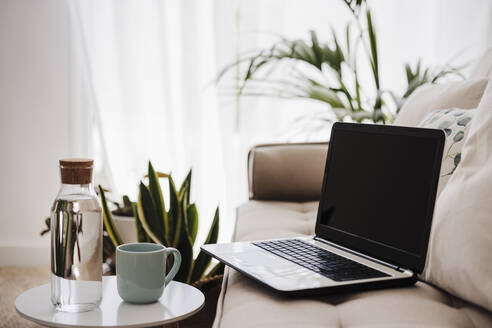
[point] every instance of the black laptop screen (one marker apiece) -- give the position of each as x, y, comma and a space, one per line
379, 188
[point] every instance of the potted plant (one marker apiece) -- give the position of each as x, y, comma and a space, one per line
124, 221
174, 226
328, 72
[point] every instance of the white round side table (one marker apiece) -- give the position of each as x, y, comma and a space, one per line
178, 302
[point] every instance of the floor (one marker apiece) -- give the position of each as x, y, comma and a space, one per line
13, 281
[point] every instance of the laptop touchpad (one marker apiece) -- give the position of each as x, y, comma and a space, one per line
263, 263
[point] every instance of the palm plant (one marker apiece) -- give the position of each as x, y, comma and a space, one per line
176, 227
328, 72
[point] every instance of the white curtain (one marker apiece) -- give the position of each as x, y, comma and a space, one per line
151, 66
149, 69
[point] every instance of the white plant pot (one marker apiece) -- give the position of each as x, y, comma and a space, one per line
126, 227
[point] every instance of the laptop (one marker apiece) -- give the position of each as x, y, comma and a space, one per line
373, 222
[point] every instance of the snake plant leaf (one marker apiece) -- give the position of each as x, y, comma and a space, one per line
126, 201
185, 239
184, 245
217, 269
156, 193
186, 185
174, 215
56, 263
68, 241
147, 214
47, 223
159, 174
186, 250
108, 220
192, 218
203, 260
141, 234
184, 193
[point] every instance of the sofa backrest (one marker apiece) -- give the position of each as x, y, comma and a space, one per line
286, 172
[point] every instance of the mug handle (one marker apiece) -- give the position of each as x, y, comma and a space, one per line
176, 264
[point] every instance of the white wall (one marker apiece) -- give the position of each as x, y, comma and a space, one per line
34, 122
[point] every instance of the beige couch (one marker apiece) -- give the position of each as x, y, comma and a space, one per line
284, 182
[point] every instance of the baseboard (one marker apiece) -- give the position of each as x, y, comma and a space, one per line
24, 255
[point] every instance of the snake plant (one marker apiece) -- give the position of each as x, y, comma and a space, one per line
176, 226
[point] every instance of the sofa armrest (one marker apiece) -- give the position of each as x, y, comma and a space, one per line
286, 172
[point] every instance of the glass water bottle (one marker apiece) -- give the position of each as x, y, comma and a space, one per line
76, 240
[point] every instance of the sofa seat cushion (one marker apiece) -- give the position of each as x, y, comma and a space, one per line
245, 303
272, 219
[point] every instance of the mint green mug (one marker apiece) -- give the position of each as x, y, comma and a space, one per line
141, 271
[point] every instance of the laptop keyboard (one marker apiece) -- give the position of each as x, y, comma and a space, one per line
326, 263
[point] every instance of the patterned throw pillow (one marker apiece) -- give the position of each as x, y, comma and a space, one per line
455, 122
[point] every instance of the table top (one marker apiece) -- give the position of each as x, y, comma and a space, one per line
179, 301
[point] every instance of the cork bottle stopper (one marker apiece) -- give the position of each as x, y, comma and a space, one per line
76, 170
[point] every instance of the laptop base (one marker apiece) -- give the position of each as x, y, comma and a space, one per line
252, 267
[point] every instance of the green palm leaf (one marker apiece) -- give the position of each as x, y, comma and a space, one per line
324, 61
374, 49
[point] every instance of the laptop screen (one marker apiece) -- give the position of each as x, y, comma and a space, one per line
379, 190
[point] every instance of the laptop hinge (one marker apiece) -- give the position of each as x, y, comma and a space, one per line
394, 267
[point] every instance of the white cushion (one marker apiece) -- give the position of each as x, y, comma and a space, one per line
461, 241
483, 67
456, 123
463, 94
